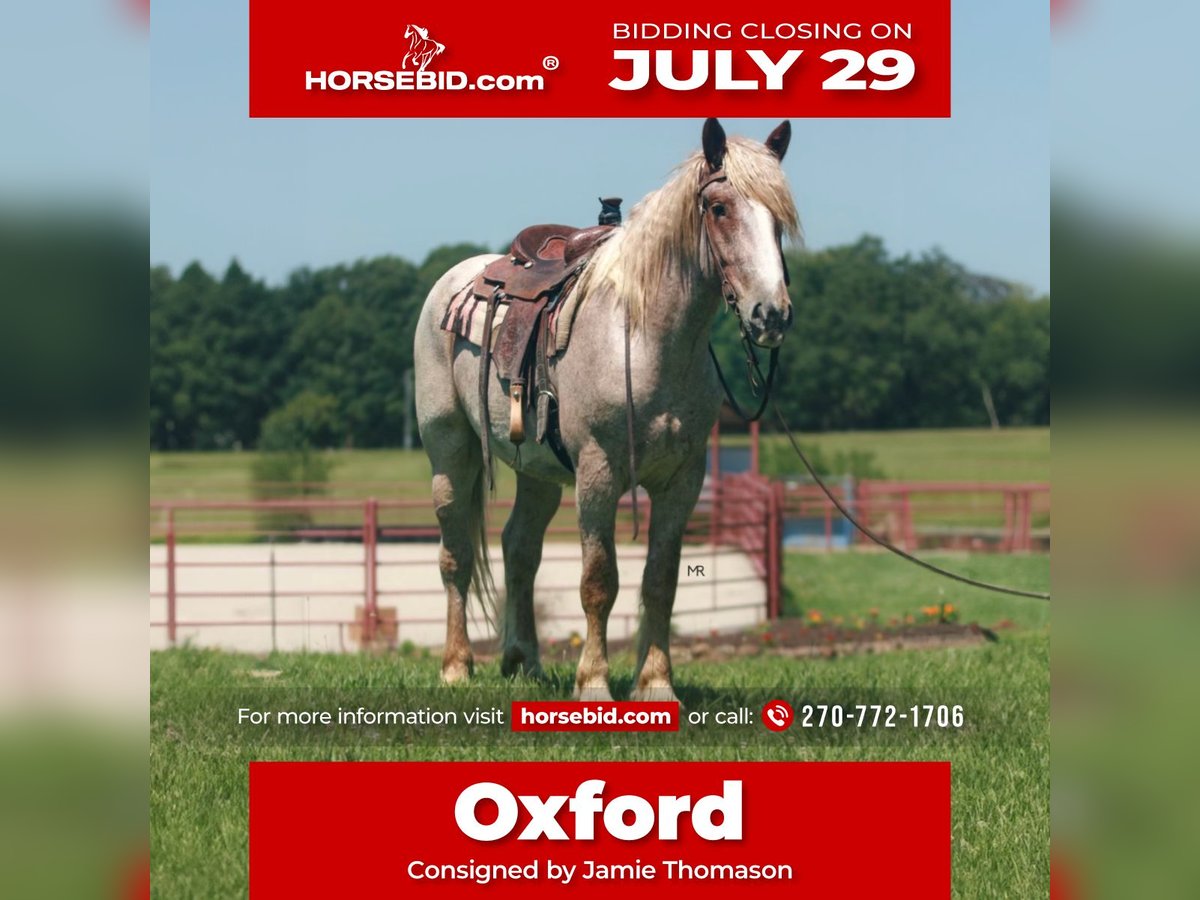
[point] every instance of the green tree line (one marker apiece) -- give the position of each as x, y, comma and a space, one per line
878, 342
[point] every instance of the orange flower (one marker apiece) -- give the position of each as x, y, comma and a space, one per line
814, 616
931, 610
873, 612
948, 609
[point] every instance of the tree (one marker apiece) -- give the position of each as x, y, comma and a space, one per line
307, 422
290, 462
879, 342
1014, 360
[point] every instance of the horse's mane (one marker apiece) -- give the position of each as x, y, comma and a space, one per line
662, 233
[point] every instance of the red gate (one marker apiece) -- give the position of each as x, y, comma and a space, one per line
734, 511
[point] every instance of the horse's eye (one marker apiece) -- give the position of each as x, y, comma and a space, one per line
718, 210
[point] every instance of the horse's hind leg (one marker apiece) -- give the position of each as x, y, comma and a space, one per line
536, 504
458, 500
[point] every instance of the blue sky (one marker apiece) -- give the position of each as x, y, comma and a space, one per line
279, 194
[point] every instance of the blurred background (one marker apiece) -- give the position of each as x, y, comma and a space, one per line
73, 311
1126, 245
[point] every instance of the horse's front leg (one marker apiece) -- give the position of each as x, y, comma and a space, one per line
671, 507
596, 495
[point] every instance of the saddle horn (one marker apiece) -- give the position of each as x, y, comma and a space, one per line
610, 211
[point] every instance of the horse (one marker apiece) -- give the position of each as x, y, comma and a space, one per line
421, 48
712, 233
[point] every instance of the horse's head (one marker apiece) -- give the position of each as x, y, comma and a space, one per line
744, 237
415, 30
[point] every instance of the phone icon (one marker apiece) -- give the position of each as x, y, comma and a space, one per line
777, 715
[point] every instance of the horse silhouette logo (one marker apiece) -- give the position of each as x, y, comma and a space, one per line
421, 48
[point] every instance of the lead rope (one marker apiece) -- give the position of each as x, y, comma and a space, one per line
883, 542
629, 424
756, 378
752, 362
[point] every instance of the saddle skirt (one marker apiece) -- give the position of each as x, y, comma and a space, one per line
467, 312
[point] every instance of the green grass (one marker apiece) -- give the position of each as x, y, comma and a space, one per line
227, 475
1000, 760
944, 455
852, 584
932, 454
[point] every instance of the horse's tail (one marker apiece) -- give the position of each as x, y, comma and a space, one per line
483, 585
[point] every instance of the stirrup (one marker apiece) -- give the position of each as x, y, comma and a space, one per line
516, 413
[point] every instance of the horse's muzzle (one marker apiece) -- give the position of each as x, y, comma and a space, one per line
768, 325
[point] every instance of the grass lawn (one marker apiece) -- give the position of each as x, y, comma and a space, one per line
941, 454
227, 475
1000, 759
945, 455
852, 584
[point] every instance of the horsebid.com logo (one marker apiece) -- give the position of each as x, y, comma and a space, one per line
422, 48
413, 75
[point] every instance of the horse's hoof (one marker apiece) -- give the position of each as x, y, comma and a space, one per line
655, 693
517, 662
458, 671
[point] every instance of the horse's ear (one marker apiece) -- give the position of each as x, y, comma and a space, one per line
778, 140
713, 141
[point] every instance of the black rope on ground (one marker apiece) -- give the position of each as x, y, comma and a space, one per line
886, 544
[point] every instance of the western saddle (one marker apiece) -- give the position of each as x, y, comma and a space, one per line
533, 280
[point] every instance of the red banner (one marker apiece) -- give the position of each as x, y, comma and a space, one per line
538, 829
377, 58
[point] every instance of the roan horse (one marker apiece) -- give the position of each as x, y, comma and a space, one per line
713, 232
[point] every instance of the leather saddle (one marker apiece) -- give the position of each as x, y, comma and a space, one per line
538, 272
541, 259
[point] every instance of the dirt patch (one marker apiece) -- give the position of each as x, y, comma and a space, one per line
787, 637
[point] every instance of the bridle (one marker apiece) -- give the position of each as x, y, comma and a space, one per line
729, 293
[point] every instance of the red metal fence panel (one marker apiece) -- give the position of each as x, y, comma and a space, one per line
745, 512
739, 511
